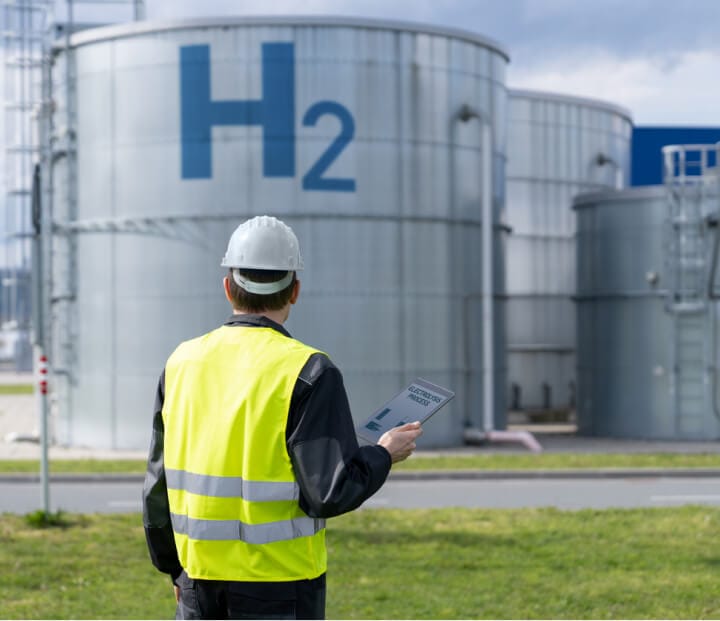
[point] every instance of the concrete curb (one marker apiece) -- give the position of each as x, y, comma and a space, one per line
425, 475
598, 473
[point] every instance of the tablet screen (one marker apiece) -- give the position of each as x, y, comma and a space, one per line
417, 402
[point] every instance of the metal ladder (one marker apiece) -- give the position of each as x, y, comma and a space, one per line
689, 381
691, 184
22, 34
63, 245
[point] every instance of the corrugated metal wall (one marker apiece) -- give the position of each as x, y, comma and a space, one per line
553, 148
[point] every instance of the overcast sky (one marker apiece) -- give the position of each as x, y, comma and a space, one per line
658, 58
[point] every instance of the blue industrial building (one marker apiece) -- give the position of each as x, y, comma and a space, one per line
647, 143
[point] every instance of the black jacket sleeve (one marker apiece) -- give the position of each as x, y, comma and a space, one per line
334, 473
156, 508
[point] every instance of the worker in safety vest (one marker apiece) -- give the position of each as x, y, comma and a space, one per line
253, 446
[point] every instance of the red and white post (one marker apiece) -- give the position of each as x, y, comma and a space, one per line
41, 363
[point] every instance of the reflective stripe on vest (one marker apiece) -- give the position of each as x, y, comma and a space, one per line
235, 530
231, 487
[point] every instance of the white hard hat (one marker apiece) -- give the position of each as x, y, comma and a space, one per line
263, 243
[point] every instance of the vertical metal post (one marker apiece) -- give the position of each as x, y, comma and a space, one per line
138, 10
23, 40
43, 270
42, 390
65, 317
70, 20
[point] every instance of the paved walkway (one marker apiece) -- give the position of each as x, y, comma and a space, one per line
19, 430
19, 419
562, 439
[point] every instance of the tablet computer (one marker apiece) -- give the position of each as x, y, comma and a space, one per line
416, 402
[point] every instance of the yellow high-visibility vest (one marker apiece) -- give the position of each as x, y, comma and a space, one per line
231, 488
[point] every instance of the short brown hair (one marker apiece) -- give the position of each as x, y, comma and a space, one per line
253, 302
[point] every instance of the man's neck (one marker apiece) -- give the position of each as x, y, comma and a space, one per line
278, 316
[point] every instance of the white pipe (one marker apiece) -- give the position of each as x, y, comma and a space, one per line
465, 114
476, 436
487, 280
488, 434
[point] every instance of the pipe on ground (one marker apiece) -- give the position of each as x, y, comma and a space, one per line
479, 437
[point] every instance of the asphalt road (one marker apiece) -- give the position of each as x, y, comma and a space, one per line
119, 497
560, 493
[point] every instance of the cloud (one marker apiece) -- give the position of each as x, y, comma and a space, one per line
648, 55
658, 91
547, 30
651, 56
535, 31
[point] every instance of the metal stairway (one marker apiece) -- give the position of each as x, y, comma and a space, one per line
692, 191
689, 374
22, 34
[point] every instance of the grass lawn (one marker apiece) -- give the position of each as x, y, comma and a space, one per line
80, 466
17, 389
391, 564
461, 462
555, 461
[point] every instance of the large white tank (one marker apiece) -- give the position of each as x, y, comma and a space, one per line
349, 130
558, 146
647, 368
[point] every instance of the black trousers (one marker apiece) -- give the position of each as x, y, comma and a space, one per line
215, 599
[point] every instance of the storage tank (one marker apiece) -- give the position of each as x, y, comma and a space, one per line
558, 146
364, 136
646, 365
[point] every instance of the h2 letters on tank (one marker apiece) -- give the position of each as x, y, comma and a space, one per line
274, 112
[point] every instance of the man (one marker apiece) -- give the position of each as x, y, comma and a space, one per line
253, 446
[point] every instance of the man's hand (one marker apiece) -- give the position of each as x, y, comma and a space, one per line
177, 593
400, 441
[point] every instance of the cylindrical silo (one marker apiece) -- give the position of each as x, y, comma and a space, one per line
558, 147
364, 136
645, 367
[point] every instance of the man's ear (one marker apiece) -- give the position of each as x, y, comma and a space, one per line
226, 286
295, 292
